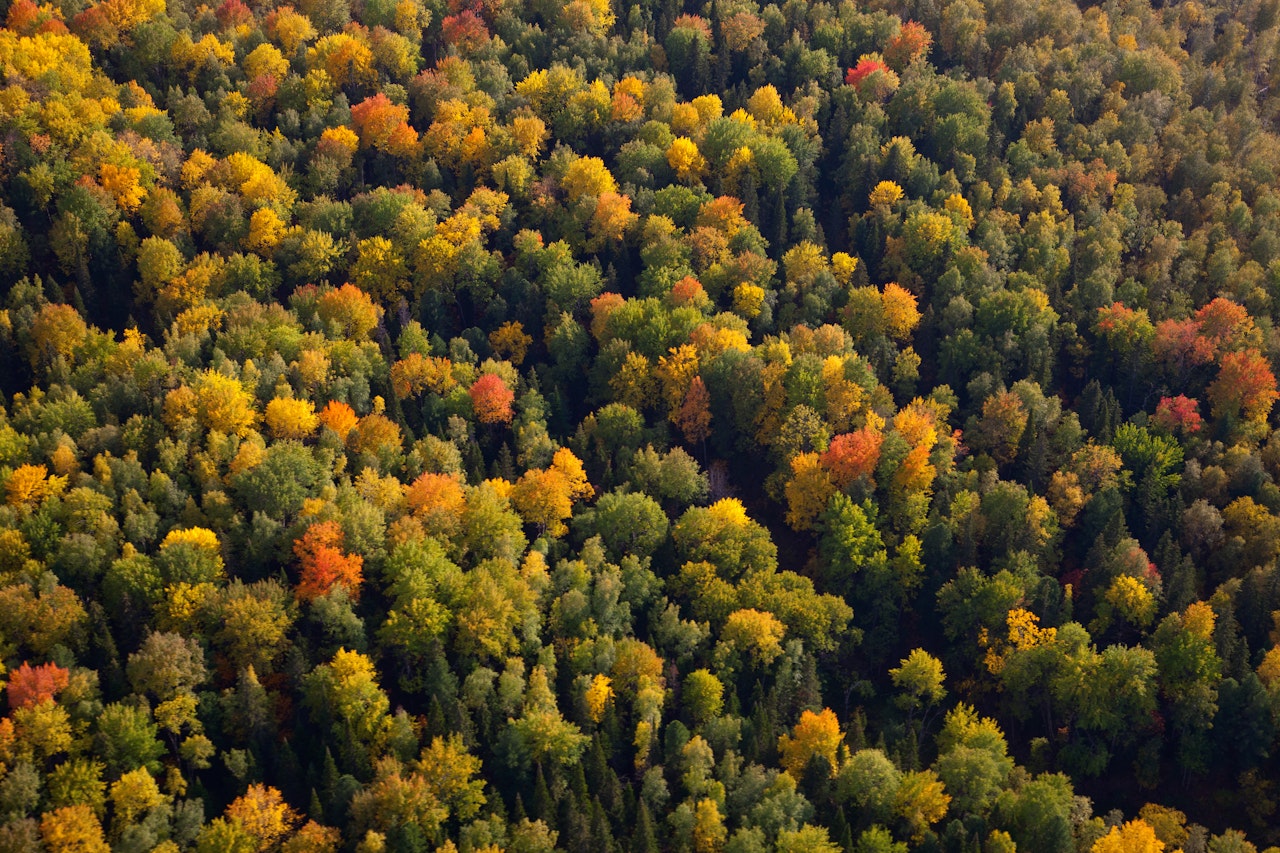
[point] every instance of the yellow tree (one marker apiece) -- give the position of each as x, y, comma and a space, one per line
921, 802
221, 403
587, 176
815, 734
1135, 836
72, 829
262, 812
756, 632
291, 418
808, 490
686, 160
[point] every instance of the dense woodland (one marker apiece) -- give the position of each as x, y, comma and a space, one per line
516, 425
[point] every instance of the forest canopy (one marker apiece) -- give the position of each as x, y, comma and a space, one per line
639, 425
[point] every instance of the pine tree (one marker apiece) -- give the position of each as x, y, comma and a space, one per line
543, 806
643, 840
601, 832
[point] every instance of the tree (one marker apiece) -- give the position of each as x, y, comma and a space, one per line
808, 490
30, 685
587, 176
344, 696
262, 813
853, 455
756, 632
694, 417
686, 160
911, 43
132, 795
806, 838
491, 399
703, 695
1245, 387
167, 665
72, 829
324, 565
1135, 836
920, 676
288, 417
545, 496
921, 802
814, 734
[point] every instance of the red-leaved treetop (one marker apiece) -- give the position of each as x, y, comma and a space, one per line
324, 566
491, 399
852, 455
1180, 344
1178, 414
31, 685
865, 67
1245, 386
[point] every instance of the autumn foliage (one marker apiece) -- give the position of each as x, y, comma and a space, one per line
491, 399
323, 563
31, 685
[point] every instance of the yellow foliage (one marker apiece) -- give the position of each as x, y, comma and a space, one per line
341, 137
30, 484
958, 207
1135, 836
122, 182
223, 404
685, 158
766, 107
1269, 669
814, 734
344, 57
1024, 633
1132, 600
529, 133
757, 632
901, 315
198, 318
197, 166
197, 537
291, 418
808, 490
133, 794
886, 194
290, 29
266, 60
843, 267
587, 176
510, 340
265, 230
195, 55
675, 372
597, 696
748, 300
262, 812
72, 829
916, 423
1198, 620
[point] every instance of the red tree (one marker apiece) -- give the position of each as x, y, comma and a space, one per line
1178, 413
863, 69
31, 685
1245, 384
324, 566
852, 455
492, 399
